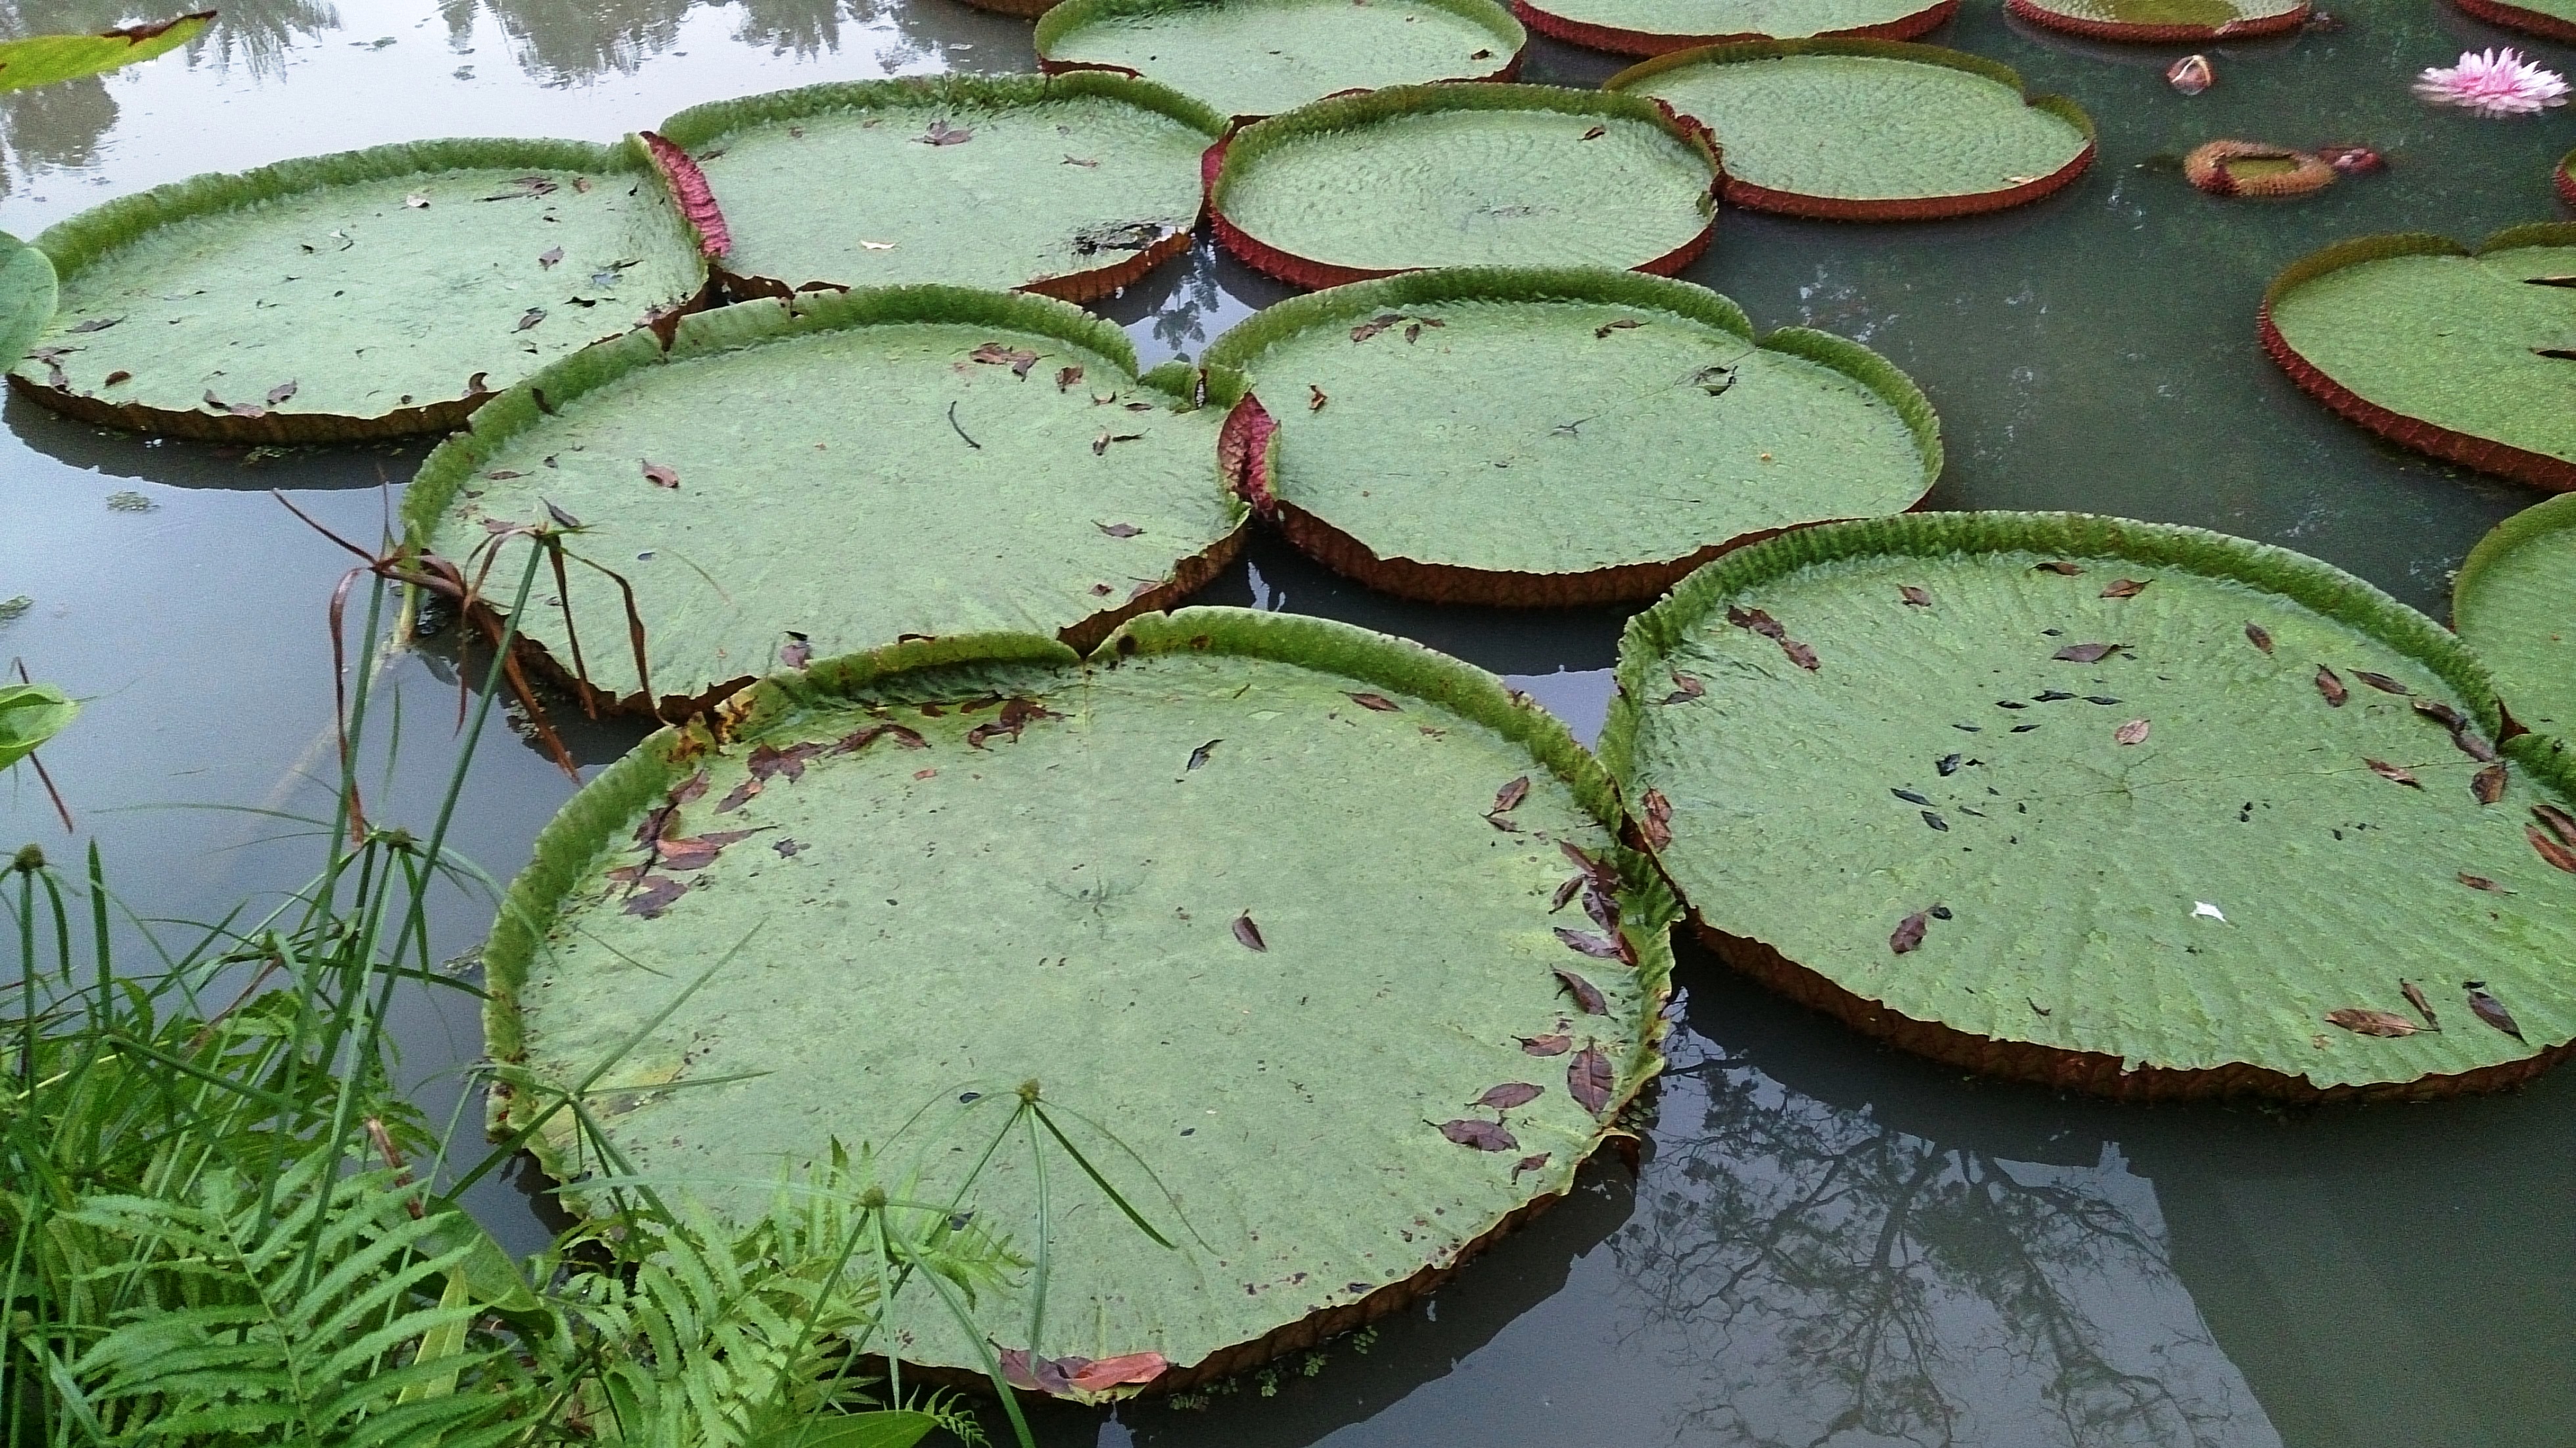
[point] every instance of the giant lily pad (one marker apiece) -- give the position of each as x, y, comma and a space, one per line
2163, 21
785, 483
1479, 175
366, 294
2120, 807
1870, 130
1269, 899
2515, 601
1260, 57
2469, 356
1657, 27
1574, 436
1070, 185
27, 295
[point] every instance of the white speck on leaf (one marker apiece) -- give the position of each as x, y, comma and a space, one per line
2203, 907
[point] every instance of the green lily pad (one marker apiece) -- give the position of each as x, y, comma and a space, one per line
1238, 893
1657, 27
1570, 436
1261, 57
2163, 21
27, 292
2515, 602
2447, 351
1070, 185
51, 59
816, 480
1870, 130
367, 294
1475, 175
30, 714
2116, 806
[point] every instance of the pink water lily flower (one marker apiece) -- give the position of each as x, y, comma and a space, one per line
2493, 83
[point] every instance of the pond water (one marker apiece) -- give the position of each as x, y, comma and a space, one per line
1828, 1243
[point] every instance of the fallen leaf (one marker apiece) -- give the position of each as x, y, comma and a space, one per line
2415, 997
1556, 1045
1596, 133
1799, 654
659, 475
1134, 1367
1565, 892
1658, 823
877, 245
696, 852
117, 376
2331, 687
2363, 1021
1315, 398
2087, 653
942, 134
1757, 620
1509, 797
1119, 530
1248, 933
1101, 443
1588, 1079
768, 761
2127, 588
2487, 785
1374, 325
547, 259
416, 201
2381, 682
2481, 882
1597, 946
1529, 1163
237, 409
1508, 1095
787, 848
1587, 996
690, 789
858, 739
1065, 377
1913, 595
1078, 161
2133, 732
1622, 324
2392, 773
2560, 823
655, 896
1909, 933
1412, 333
95, 324
2060, 567
994, 354
797, 652
2259, 636
2550, 850
1378, 702
530, 318
1199, 756
1482, 1135
2442, 714
2474, 745
2490, 1010
1685, 687
280, 393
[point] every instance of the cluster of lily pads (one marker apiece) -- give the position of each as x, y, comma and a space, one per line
1359, 954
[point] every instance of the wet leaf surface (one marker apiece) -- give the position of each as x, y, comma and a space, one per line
1482, 1135
1588, 1079
1587, 996
1248, 934
2363, 1021
1508, 1095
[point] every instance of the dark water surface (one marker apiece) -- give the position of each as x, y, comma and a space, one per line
1829, 1243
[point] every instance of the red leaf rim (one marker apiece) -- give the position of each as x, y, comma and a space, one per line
1647, 42
1289, 267
1247, 452
2514, 17
2206, 167
1511, 71
1906, 208
2134, 33
689, 188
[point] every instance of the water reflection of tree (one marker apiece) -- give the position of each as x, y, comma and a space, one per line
1831, 1280
564, 42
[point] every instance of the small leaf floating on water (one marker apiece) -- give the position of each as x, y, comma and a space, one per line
1378, 702
2133, 732
2415, 997
2552, 851
2363, 1021
2487, 785
2481, 882
1588, 1079
2560, 822
1587, 996
1599, 947
655, 896
1555, 1045
1685, 688
1509, 1095
1248, 933
2087, 653
1374, 325
278, 395
1622, 324
942, 134
1065, 377
2490, 1010
1509, 797
2191, 75
1909, 933
2058, 566
1914, 596
1199, 756
2393, 773
2259, 636
1482, 1135
2127, 588
1118, 530
1529, 1163
660, 475
2331, 687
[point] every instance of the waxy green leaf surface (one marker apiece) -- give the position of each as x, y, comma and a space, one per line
1261, 57
2515, 602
